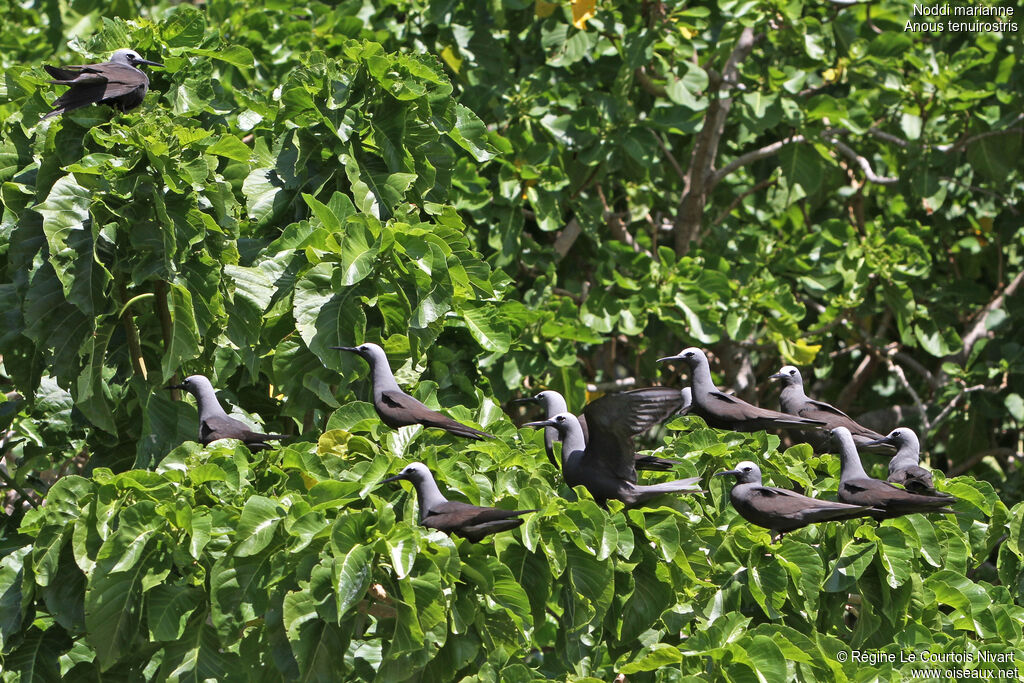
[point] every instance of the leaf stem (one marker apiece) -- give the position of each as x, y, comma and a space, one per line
134, 346
164, 313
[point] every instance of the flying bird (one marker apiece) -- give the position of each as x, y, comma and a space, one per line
215, 423
607, 469
472, 522
397, 408
636, 411
119, 83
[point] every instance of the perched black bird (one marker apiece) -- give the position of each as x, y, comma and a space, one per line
606, 468
450, 516
781, 510
794, 401
397, 408
722, 411
905, 467
119, 83
637, 409
214, 422
857, 488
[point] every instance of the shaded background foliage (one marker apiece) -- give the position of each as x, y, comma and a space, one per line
505, 197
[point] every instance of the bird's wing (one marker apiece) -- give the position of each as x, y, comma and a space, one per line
821, 406
414, 411
453, 515
833, 417
613, 420
224, 427
68, 73
732, 408
789, 503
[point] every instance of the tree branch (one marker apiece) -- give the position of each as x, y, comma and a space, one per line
566, 238
668, 155
751, 157
864, 164
618, 227
965, 141
902, 377
978, 328
888, 137
705, 149
767, 182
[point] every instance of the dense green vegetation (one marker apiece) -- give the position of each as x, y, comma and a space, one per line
505, 196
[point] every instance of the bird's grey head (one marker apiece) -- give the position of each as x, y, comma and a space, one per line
901, 436
551, 401
131, 58
788, 375
841, 435
692, 356
193, 384
415, 472
746, 472
561, 422
370, 352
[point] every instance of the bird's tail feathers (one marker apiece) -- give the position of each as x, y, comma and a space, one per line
689, 485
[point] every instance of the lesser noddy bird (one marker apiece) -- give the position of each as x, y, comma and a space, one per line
215, 423
607, 469
637, 409
119, 83
905, 467
722, 411
780, 510
450, 516
397, 408
794, 401
857, 488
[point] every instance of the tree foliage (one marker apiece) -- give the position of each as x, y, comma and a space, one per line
530, 194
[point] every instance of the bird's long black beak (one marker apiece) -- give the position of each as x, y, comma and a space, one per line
521, 401
777, 375
390, 479
734, 473
345, 348
668, 358
884, 441
175, 386
540, 423
146, 61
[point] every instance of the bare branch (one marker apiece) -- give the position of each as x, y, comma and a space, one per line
566, 238
705, 149
981, 190
618, 226
902, 377
649, 86
978, 330
864, 164
888, 137
767, 182
968, 140
751, 157
966, 465
914, 365
668, 155
941, 417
